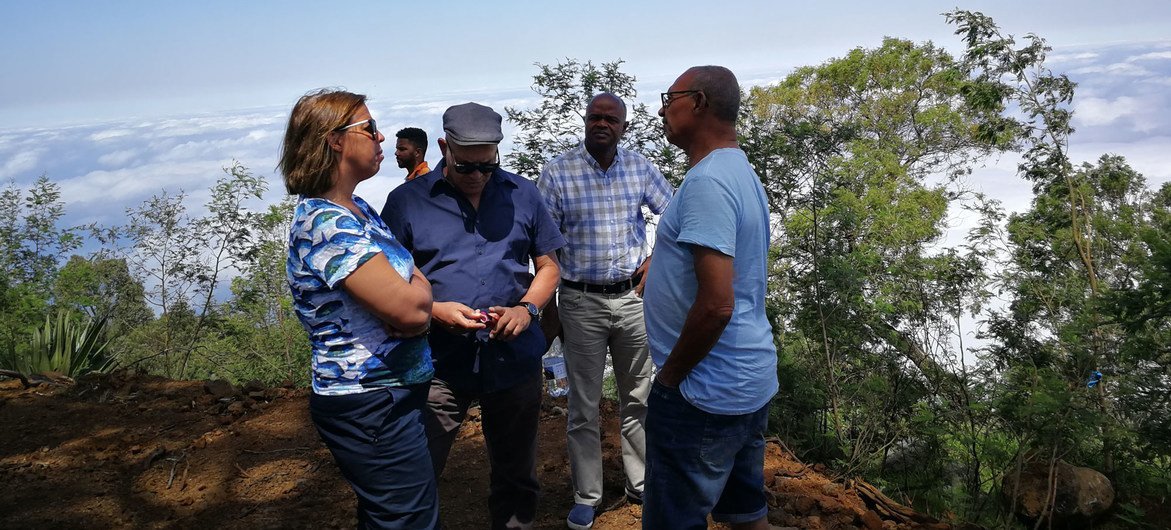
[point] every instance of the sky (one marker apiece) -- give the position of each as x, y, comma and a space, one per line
118, 101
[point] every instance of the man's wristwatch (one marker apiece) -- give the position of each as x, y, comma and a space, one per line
531, 308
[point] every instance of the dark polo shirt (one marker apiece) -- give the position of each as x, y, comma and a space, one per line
479, 258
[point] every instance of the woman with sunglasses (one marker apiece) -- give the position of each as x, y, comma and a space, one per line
367, 310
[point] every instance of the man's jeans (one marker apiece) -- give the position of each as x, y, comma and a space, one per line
700, 463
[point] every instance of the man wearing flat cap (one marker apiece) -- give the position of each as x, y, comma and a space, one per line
473, 229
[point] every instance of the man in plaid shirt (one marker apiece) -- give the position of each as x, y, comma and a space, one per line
595, 193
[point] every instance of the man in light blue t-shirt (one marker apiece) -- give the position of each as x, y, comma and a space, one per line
705, 321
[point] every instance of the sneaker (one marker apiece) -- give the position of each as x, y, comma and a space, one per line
581, 517
634, 497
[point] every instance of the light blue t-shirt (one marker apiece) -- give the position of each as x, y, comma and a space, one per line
352, 353
721, 205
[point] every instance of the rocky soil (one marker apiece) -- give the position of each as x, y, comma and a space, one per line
124, 451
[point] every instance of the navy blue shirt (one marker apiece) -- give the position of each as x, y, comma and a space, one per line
480, 258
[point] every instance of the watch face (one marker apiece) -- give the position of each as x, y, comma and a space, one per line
532, 308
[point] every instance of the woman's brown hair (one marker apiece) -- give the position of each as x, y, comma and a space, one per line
306, 160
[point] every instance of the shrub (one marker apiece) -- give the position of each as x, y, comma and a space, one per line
66, 347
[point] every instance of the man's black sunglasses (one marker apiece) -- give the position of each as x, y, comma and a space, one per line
464, 168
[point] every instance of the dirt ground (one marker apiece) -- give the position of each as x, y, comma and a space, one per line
141, 452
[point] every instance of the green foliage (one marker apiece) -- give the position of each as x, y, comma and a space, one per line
183, 260
557, 124
64, 346
1083, 281
260, 337
102, 288
859, 157
31, 247
163, 250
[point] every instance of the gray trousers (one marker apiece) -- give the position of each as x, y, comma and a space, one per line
594, 323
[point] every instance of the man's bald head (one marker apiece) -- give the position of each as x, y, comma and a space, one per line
610, 97
721, 89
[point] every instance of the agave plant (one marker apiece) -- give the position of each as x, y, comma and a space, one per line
67, 347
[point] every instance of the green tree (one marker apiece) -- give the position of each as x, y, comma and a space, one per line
861, 158
1087, 250
261, 329
557, 123
163, 257
224, 234
102, 288
32, 245
182, 261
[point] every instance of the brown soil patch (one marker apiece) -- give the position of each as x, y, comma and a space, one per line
142, 452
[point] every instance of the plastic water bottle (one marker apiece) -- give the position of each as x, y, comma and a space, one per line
556, 379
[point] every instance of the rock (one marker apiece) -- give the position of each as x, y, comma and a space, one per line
1082, 493
804, 505
253, 386
237, 408
219, 388
830, 505
840, 521
871, 520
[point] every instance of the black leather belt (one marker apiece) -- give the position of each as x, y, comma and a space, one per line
613, 288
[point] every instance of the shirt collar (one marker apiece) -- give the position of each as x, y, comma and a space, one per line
585, 154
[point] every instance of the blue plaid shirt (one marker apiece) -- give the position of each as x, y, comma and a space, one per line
600, 212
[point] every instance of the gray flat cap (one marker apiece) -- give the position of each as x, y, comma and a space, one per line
472, 124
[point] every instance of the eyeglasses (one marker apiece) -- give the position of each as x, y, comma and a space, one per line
371, 127
464, 168
669, 97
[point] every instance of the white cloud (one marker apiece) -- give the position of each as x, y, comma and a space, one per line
118, 158
110, 134
22, 161
1150, 56
109, 187
1124, 68
260, 134
211, 124
1072, 57
1102, 111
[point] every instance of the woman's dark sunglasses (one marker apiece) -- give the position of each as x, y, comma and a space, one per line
371, 127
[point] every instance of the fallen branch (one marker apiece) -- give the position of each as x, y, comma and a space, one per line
174, 464
886, 507
777, 440
15, 375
